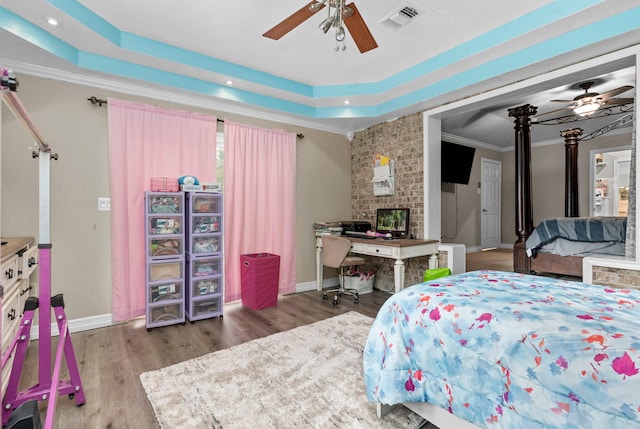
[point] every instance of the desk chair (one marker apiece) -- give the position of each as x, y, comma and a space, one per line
335, 254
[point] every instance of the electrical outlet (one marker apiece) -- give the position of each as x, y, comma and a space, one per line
104, 204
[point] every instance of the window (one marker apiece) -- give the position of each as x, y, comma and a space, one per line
220, 159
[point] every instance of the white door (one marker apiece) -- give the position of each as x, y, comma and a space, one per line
491, 182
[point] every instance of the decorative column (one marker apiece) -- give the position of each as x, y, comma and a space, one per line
524, 204
571, 137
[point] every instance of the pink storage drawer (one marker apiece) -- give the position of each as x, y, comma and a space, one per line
164, 184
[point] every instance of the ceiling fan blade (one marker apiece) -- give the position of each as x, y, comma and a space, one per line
359, 31
562, 101
615, 92
292, 21
617, 101
553, 111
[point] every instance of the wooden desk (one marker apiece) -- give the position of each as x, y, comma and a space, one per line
399, 250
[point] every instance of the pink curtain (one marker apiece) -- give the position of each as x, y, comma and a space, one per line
145, 142
259, 201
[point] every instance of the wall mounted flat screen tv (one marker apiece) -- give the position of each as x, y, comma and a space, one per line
393, 221
456, 162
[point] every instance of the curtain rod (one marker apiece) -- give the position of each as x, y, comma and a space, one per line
95, 100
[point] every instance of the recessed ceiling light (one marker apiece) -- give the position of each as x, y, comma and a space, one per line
52, 21
229, 82
347, 102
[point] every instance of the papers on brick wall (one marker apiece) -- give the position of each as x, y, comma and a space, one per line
383, 179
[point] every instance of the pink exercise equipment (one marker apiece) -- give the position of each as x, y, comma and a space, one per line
49, 386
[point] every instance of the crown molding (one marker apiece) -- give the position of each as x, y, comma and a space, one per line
157, 93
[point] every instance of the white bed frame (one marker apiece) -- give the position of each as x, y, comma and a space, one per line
432, 413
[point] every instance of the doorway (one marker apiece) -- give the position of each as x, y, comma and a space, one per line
610, 181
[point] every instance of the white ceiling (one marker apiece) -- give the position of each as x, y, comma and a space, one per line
451, 50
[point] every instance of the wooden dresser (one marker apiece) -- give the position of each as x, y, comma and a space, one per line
19, 259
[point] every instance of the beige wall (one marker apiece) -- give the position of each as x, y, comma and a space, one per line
461, 208
327, 171
80, 234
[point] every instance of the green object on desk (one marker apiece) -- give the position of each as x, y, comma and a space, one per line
436, 273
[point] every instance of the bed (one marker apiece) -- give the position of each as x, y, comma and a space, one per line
558, 245
509, 350
547, 260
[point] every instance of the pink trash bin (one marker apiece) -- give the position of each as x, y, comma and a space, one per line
259, 276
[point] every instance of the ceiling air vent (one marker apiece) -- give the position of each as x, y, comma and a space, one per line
400, 17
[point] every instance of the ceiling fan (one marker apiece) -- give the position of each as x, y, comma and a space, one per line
587, 104
348, 14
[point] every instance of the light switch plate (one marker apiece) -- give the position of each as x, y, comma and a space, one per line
104, 204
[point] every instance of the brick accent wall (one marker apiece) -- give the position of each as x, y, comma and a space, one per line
443, 255
616, 277
402, 141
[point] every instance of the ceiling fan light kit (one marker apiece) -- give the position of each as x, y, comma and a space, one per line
586, 109
335, 20
587, 104
326, 24
339, 15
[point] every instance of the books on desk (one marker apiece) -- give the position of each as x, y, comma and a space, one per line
327, 228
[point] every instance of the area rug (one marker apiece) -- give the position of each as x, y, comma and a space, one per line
307, 377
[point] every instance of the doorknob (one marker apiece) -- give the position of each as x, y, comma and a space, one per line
484, 210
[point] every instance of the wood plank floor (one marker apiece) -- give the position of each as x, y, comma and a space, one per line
111, 359
495, 259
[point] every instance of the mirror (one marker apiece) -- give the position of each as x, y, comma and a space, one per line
610, 181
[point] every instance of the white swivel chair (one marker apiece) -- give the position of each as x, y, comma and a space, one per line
335, 254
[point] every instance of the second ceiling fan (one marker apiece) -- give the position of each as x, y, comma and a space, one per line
342, 13
588, 103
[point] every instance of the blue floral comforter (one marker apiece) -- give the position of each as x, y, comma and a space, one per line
508, 350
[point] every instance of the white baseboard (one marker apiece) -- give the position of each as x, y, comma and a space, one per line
306, 286
309, 286
474, 249
77, 325
105, 320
